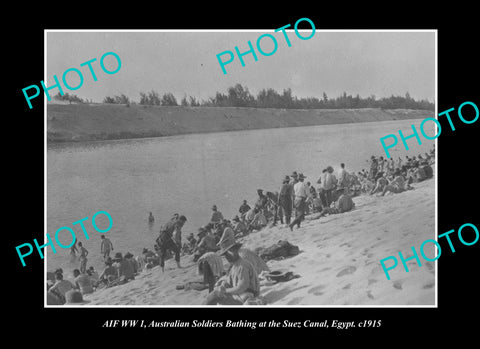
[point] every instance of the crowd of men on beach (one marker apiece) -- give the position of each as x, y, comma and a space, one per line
295, 199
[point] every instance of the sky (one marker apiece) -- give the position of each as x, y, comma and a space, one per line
185, 63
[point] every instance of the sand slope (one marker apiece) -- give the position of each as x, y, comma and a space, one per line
339, 263
83, 122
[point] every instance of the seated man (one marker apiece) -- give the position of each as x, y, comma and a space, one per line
130, 258
92, 273
259, 221
343, 204
239, 227
381, 183
250, 215
317, 204
262, 200
367, 185
124, 268
108, 274
82, 282
216, 215
61, 287
191, 243
428, 169
50, 278
206, 243
244, 208
150, 257
354, 184
419, 174
53, 298
397, 185
210, 265
241, 281
255, 260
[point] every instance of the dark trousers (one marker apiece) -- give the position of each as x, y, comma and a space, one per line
328, 197
299, 211
208, 277
286, 205
278, 214
323, 197
168, 244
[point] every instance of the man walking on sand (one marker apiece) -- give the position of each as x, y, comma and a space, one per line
165, 240
106, 247
285, 199
301, 194
83, 258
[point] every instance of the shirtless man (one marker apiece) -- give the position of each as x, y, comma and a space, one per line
82, 282
106, 247
61, 286
83, 258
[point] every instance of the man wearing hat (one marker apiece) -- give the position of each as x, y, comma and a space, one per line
190, 245
285, 200
206, 243
217, 216
329, 185
301, 193
239, 227
125, 270
241, 281
133, 262
165, 240
262, 200
244, 208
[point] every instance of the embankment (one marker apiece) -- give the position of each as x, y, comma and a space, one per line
88, 122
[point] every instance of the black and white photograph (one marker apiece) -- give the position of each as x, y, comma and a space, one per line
259, 182
182, 174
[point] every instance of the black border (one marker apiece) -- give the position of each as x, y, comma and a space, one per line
457, 83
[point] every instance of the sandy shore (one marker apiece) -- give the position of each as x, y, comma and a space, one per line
339, 263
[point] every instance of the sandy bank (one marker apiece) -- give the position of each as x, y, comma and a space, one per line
85, 122
338, 264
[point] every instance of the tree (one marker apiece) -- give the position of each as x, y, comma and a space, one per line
109, 100
287, 100
122, 99
68, 97
193, 101
238, 96
151, 98
325, 98
168, 99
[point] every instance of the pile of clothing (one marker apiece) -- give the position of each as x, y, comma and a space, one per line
281, 250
